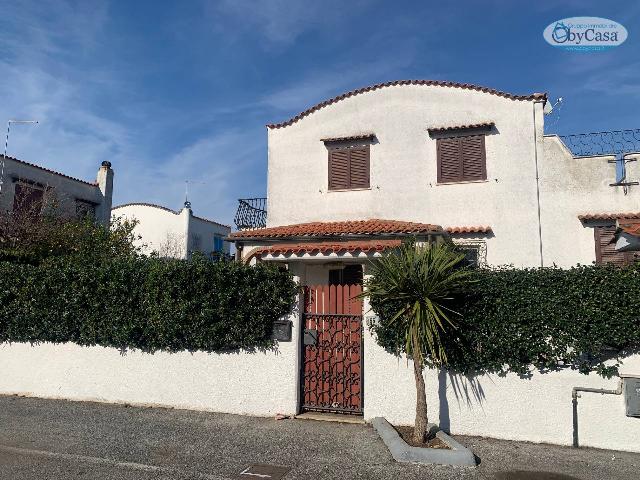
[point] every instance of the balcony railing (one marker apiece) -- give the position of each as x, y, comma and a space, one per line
251, 213
618, 143
615, 142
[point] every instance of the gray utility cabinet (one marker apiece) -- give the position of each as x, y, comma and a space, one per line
632, 396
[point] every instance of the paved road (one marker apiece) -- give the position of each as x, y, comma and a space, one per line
49, 439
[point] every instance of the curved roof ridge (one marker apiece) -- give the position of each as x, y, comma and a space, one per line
145, 204
377, 86
167, 209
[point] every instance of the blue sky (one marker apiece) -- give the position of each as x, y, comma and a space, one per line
169, 91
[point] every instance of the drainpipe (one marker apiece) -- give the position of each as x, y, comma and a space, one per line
575, 396
535, 149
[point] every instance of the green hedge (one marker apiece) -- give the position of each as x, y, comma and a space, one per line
548, 318
144, 303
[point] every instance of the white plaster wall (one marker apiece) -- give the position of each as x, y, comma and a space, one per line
573, 186
206, 230
403, 166
535, 410
251, 383
155, 226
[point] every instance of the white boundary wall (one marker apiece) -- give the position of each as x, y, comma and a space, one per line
265, 383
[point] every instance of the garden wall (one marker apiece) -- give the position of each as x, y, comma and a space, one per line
538, 409
258, 383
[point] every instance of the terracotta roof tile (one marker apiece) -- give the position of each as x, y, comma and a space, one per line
353, 227
93, 184
364, 136
631, 229
486, 125
329, 247
473, 229
607, 216
352, 93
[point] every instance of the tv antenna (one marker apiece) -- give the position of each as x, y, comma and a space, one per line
187, 203
6, 145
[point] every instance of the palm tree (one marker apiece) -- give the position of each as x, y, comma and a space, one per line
419, 283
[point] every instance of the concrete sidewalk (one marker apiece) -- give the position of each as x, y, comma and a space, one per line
45, 439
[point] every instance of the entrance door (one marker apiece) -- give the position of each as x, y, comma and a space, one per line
332, 351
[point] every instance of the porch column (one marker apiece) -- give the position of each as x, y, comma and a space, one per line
298, 269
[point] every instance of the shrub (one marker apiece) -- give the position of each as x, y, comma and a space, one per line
547, 318
144, 303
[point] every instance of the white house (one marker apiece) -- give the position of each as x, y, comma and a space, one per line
355, 174
25, 187
172, 233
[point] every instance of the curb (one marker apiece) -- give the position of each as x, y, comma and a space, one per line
402, 452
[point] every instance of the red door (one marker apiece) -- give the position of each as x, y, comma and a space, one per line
332, 349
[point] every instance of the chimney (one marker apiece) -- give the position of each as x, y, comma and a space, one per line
186, 214
105, 184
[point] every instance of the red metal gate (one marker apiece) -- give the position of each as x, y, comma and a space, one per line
332, 349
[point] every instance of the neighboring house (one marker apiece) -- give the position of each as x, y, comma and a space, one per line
359, 173
175, 234
627, 239
29, 187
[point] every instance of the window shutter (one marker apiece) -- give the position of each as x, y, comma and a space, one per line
349, 168
473, 158
606, 248
338, 169
449, 163
359, 167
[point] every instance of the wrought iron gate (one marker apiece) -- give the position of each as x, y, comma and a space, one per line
332, 352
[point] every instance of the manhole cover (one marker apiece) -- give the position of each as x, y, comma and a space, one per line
532, 475
263, 472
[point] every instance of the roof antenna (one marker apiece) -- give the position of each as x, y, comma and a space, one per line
187, 203
550, 109
6, 145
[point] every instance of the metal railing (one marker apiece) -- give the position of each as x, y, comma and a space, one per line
251, 213
615, 142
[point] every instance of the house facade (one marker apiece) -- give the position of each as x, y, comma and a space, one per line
30, 188
359, 173
174, 234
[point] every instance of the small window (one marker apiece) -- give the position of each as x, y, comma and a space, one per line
349, 275
348, 167
606, 252
85, 209
218, 243
28, 199
461, 159
475, 252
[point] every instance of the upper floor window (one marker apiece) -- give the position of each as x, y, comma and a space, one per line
348, 167
461, 159
85, 209
28, 199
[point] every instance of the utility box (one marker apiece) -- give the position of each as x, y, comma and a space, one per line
632, 396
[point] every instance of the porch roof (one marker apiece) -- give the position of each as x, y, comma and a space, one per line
367, 246
344, 229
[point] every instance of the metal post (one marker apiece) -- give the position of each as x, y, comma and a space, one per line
6, 146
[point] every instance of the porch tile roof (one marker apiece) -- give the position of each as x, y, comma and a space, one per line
608, 216
470, 229
330, 247
352, 227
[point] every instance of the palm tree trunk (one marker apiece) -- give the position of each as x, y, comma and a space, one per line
420, 426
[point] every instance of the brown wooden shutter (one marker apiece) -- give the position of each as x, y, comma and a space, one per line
474, 165
461, 159
359, 167
338, 169
606, 248
449, 162
349, 168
